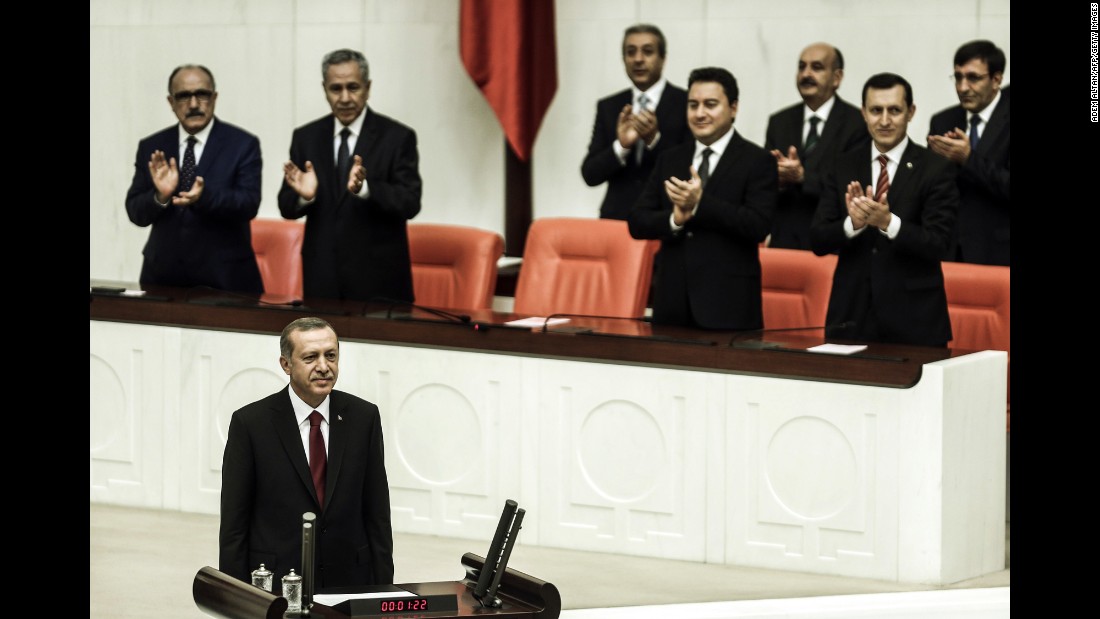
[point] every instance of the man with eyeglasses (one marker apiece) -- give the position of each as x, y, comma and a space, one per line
354, 175
197, 183
974, 135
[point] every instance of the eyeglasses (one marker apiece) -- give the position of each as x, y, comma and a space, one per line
185, 95
973, 78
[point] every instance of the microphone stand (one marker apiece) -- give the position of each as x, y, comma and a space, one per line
309, 519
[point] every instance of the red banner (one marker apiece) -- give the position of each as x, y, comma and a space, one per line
508, 49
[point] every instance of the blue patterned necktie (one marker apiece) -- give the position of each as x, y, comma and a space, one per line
639, 146
187, 172
975, 120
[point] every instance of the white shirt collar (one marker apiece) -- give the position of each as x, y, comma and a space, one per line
987, 112
822, 112
201, 137
356, 125
653, 94
718, 147
894, 154
302, 410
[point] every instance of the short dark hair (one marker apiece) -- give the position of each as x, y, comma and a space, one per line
662, 47
993, 56
716, 74
885, 81
341, 56
308, 323
171, 77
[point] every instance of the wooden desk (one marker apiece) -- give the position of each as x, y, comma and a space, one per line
639, 440
522, 596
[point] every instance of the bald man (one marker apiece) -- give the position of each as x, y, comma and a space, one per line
805, 137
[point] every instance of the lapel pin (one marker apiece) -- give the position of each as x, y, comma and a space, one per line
909, 164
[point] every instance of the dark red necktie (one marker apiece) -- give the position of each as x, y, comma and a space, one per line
317, 459
883, 180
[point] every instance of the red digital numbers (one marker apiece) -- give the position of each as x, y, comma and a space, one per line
397, 606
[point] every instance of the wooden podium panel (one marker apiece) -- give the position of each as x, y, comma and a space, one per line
627, 437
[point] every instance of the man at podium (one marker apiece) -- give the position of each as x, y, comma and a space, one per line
307, 448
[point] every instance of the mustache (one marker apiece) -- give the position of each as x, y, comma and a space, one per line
198, 113
808, 82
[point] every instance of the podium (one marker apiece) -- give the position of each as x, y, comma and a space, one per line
523, 596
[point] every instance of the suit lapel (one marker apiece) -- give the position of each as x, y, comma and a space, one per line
211, 150
901, 187
338, 430
997, 124
733, 151
286, 427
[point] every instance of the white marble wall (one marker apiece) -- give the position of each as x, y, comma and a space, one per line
266, 55
895, 484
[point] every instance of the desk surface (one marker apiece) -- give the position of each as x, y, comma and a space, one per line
779, 353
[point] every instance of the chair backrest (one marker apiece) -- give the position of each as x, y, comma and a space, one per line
795, 286
574, 265
278, 247
454, 266
978, 301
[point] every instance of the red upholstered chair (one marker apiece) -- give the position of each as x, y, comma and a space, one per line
454, 266
278, 247
795, 286
978, 301
584, 266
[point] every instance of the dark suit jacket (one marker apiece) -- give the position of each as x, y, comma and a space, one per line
354, 248
985, 210
890, 290
208, 243
601, 165
844, 131
709, 273
266, 487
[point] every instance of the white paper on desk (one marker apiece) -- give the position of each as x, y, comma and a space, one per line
133, 293
536, 321
838, 349
332, 599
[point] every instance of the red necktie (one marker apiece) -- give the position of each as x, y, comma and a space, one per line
883, 180
317, 458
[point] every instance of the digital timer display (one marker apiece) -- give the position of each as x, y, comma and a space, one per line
404, 605
399, 606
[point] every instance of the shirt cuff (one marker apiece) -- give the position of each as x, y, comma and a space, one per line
620, 151
162, 205
892, 228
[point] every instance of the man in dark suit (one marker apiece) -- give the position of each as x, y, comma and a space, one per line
202, 207
890, 236
808, 136
974, 135
354, 175
275, 469
710, 201
631, 131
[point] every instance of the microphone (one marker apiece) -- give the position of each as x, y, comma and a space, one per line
546, 322
759, 345
651, 337
462, 319
258, 301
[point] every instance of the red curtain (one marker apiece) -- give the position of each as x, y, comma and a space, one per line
508, 49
